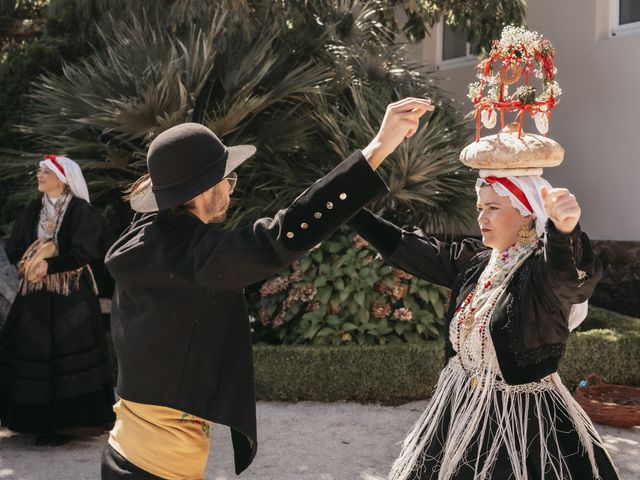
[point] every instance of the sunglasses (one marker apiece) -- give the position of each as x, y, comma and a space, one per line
232, 178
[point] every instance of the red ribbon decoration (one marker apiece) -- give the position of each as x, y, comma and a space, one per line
513, 188
54, 159
511, 104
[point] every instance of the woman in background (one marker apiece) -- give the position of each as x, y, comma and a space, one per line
55, 377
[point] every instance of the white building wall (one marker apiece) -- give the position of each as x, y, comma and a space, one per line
598, 117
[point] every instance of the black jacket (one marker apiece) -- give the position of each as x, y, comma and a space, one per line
529, 326
179, 319
78, 235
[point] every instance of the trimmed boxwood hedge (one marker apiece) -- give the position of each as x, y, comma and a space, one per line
607, 343
371, 373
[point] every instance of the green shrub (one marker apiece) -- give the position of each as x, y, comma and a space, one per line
600, 318
606, 343
389, 374
396, 373
16, 73
341, 293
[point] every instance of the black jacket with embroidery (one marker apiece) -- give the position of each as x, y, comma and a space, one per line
179, 319
529, 326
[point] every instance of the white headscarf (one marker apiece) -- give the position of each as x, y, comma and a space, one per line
531, 186
69, 173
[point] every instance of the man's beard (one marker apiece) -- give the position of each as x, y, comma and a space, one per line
219, 219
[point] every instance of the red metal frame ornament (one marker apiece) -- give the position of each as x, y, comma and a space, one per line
518, 53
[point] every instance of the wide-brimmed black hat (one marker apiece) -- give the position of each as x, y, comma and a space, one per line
183, 162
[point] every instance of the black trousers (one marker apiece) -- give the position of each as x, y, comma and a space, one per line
115, 466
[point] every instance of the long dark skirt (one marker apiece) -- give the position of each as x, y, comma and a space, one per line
576, 461
55, 373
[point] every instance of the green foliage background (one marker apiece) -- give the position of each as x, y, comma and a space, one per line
307, 82
342, 293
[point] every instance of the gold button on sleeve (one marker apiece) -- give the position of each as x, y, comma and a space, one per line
329, 205
304, 225
343, 196
290, 235
317, 215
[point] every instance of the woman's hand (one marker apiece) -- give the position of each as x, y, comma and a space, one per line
41, 271
400, 121
562, 207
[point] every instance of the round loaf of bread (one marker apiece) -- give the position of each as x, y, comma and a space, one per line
504, 151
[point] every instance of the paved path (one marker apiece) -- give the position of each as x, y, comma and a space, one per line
298, 441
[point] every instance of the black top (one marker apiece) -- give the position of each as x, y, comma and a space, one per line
179, 320
78, 235
529, 326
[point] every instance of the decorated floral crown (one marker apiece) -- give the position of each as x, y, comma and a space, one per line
519, 55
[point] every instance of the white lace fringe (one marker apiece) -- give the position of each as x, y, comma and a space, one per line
470, 421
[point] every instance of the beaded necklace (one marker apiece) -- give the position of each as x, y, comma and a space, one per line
477, 308
51, 214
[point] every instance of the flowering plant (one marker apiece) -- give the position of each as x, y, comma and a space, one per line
342, 293
518, 53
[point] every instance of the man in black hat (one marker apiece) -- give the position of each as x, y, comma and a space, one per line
179, 320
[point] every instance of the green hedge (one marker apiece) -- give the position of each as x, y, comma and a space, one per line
380, 373
608, 344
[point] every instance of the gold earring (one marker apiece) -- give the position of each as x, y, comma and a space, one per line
525, 235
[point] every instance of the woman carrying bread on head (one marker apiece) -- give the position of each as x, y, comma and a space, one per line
500, 410
55, 378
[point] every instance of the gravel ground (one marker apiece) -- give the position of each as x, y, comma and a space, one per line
301, 441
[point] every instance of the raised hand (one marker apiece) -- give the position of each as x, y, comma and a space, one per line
400, 121
562, 207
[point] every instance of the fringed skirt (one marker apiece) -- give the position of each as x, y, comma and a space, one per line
55, 374
484, 429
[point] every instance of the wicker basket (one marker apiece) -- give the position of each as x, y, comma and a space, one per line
609, 404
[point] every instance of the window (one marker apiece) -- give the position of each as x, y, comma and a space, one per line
452, 47
625, 16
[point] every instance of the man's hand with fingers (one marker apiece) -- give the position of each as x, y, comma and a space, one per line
562, 207
400, 121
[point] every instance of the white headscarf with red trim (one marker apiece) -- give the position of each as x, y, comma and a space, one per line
531, 204
69, 173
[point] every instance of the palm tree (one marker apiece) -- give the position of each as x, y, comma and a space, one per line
306, 82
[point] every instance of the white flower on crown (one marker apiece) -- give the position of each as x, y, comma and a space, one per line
522, 91
493, 93
519, 37
475, 89
551, 88
488, 79
493, 79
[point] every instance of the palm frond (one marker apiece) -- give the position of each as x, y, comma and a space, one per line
306, 82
